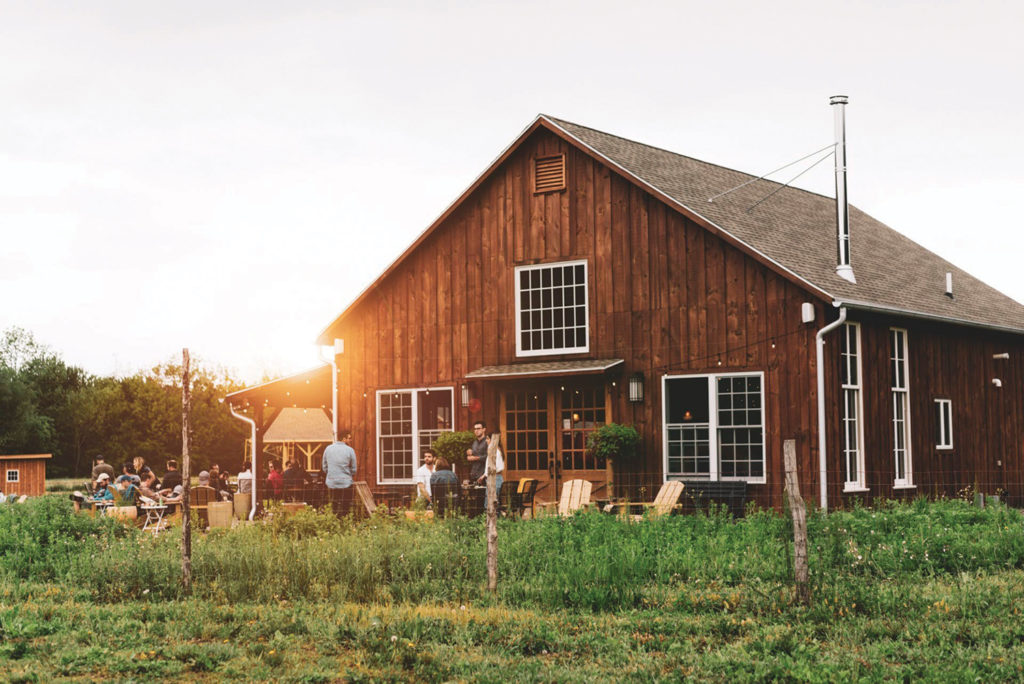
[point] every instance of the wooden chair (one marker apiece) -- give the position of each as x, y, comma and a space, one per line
365, 496
663, 504
446, 498
575, 496
199, 498
522, 497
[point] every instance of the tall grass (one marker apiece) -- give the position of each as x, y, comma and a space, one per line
589, 562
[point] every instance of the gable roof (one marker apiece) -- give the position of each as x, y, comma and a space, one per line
299, 425
796, 229
793, 232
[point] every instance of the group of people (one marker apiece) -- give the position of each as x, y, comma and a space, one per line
138, 482
438, 471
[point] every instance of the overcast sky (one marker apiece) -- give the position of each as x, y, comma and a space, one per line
228, 176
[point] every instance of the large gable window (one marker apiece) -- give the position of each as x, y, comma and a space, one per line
551, 309
714, 426
408, 422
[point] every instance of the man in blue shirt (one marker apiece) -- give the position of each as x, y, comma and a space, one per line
339, 466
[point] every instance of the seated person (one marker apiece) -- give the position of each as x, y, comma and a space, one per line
423, 474
172, 498
125, 493
295, 481
219, 481
129, 470
173, 477
150, 485
443, 483
101, 493
245, 479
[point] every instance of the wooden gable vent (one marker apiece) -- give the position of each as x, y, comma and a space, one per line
548, 174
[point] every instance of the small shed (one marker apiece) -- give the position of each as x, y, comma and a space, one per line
23, 474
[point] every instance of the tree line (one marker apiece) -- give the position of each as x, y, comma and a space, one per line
48, 406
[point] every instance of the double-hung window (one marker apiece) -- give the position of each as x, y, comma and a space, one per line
551, 309
900, 407
852, 407
944, 424
408, 422
714, 426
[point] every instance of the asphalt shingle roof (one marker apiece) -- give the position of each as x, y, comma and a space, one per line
796, 229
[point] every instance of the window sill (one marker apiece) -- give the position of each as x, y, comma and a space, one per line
904, 486
855, 490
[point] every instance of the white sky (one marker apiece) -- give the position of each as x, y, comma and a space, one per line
228, 176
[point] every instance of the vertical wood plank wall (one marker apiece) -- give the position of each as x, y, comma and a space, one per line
668, 297
31, 477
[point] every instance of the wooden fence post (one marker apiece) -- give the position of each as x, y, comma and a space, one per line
186, 476
492, 515
799, 511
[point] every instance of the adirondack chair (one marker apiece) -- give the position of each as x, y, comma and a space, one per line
575, 496
199, 498
365, 496
663, 504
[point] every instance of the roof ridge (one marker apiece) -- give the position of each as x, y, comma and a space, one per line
684, 156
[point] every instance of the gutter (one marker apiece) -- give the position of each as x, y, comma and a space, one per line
252, 460
819, 339
893, 311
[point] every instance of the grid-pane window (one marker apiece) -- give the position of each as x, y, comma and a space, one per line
408, 422
850, 432
551, 309
944, 424
900, 405
714, 427
740, 437
12, 476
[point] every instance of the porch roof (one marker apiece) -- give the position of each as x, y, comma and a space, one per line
544, 369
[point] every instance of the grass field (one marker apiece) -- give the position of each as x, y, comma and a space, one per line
910, 592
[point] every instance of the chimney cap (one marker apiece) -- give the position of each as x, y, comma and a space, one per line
838, 99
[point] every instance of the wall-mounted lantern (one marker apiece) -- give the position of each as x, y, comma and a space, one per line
465, 396
636, 388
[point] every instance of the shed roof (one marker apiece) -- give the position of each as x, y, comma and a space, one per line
23, 457
793, 231
545, 369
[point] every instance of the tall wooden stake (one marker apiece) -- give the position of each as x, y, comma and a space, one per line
799, 511
492, 515
186, 476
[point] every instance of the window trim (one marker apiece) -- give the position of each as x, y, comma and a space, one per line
17, 475
944, 442
714, 468
416, 449
858, 485
585, 348
902, 395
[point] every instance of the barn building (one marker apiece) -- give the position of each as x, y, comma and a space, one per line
585, 278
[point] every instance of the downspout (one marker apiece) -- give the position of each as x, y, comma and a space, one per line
820, 349
252, 459
334, 383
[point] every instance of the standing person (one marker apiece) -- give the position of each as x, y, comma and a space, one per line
295, 481
423, 474
476, 454
173, 477
339, 464
499, 471
275, 480
101, 467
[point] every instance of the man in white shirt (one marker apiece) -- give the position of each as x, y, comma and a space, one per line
423, 474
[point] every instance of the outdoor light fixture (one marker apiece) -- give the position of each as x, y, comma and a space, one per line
636, 388
465, 396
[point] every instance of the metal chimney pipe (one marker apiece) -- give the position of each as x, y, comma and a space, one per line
843, 268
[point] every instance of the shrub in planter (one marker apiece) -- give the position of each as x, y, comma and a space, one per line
452, 446
614, 441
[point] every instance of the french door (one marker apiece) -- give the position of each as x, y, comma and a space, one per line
546, 429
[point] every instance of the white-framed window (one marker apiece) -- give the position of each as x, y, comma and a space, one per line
552, 312
408, 422
714, 426
13, 475
900, 407
852, 406
944, 424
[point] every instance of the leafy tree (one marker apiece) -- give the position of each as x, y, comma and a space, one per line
23, 430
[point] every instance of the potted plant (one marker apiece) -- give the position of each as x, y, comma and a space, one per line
614, 441
452, 446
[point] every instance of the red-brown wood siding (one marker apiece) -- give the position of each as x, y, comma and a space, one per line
31, 477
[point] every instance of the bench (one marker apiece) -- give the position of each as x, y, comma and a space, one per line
698, 495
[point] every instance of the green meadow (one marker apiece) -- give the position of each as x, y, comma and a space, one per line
920, 591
